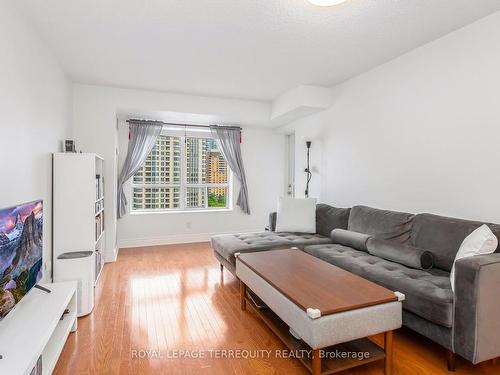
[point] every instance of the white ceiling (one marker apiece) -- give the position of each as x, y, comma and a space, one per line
254, 49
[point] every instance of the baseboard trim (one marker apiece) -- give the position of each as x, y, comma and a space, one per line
110, 258
173, 239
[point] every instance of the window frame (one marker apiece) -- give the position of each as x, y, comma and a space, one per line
184, 185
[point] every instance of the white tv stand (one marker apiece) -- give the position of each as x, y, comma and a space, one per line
34, 328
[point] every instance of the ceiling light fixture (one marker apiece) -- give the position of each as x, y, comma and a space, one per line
326, 3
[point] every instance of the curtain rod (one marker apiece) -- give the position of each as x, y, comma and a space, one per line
176, 124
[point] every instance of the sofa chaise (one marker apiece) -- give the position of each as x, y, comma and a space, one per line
327, 219
465, 322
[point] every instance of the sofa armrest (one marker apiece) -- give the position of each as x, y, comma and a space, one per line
477, 308
272, 221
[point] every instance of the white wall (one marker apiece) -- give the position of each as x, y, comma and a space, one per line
419, 133
34, 108
95, 112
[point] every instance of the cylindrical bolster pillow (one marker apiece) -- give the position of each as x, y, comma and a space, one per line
349, 238
403, 254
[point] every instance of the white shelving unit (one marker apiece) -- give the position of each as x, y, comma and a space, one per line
36, 327
79, 218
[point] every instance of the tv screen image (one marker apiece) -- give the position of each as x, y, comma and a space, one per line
21, 248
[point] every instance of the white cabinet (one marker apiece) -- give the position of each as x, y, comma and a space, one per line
38, 326
78, 223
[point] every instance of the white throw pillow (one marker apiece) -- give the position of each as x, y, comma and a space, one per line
296, 215
480, 242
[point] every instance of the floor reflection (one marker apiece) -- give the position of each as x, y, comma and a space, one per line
174, 309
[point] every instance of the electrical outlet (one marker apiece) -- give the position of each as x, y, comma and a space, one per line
188, 225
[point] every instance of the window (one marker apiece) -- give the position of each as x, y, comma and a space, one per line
182, 172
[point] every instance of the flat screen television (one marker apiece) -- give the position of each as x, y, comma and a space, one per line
21, 248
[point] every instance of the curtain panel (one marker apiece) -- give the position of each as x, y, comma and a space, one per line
142, 140
228, 139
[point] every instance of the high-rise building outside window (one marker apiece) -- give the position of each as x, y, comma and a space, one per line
182, 172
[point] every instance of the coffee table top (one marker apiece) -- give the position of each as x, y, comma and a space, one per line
310, 282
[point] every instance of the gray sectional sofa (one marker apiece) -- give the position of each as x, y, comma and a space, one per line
465, 322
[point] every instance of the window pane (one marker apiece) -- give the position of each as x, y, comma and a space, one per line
204, 162
195, 197
162, 166
204, 165
217, 197
155, 198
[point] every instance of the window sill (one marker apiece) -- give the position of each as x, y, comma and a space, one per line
156, 212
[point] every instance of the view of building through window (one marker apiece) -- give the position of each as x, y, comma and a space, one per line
182, 173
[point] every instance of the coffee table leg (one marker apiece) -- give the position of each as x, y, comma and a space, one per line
243, 293
388, 352
316, 362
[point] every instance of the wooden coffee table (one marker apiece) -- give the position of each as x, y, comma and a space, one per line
331, 310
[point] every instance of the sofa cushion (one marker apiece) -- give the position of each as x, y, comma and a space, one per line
329, 218
349, 238
428, 293
382, 224
296, 215
228, 244
407, 255
482, 241
443, 236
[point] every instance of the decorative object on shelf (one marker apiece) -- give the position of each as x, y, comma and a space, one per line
308, 169
69, 145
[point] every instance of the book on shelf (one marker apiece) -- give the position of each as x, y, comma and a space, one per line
99, 206
99, 187
98, 264
99, 225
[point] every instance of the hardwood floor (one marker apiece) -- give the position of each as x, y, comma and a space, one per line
158, 302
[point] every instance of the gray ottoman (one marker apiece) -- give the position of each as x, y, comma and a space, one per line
225, 246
